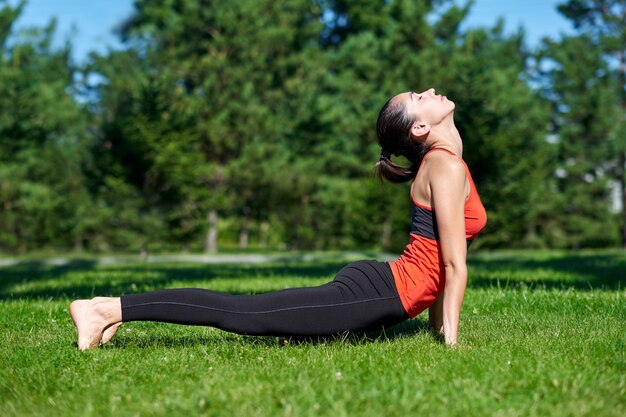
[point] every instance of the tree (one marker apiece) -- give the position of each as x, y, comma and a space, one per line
219, 111
582, 95
257, 118
582, 87
43, 151
604, 22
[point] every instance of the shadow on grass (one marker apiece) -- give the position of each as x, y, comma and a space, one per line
580, 271
85, 278
176, 340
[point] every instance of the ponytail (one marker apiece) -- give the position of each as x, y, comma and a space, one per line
393, 130
384, 168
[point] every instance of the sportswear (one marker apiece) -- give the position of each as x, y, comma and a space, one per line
362, 296
419, 272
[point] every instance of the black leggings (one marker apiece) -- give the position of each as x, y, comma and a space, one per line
362, 296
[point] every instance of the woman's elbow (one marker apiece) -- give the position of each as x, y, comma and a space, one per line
455, 269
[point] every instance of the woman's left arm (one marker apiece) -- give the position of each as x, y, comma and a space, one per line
449, 186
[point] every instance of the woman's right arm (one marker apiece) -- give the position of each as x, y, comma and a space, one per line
448, 185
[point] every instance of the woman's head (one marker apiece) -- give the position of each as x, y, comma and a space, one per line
403, 125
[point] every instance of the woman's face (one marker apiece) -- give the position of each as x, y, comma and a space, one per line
427, 107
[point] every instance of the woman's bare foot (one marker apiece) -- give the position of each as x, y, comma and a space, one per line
92, 317
109, 332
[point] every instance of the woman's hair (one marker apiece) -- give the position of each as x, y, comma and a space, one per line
393, 129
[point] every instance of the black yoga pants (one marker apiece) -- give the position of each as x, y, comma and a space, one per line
362, 296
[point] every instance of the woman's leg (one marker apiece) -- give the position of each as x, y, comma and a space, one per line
362, 296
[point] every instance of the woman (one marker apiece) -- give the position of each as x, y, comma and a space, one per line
431, 273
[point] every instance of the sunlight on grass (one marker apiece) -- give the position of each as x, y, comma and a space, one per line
541, 336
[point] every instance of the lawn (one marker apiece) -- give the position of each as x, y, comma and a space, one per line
542, 334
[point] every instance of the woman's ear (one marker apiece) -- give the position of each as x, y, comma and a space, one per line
420, 129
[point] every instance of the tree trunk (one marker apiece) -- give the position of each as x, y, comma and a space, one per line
8, 218
622, 183
264, 236
621, 168
385, 236
78, 243
244, 233
211, 236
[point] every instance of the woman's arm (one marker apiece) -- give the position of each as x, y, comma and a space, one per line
448, 185
435, 315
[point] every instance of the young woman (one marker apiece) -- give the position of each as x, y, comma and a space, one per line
364, 295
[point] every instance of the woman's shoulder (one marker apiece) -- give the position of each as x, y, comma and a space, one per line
440, 171
444, 160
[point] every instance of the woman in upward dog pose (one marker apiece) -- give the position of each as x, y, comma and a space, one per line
364, 295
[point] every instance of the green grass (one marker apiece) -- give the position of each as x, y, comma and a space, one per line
542, 334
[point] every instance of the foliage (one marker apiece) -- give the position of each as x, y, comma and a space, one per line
43, 134
583, 94
255, 119
584, 79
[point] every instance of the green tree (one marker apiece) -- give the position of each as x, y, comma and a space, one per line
222, 75
503, 123
43, 148
416, 45
264, 113
582, 86
604, 22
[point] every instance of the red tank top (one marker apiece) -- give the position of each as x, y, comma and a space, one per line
419, 272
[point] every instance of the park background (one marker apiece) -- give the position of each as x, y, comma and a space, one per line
246, 125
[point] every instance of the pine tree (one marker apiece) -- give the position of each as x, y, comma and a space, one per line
43, 148
604, 23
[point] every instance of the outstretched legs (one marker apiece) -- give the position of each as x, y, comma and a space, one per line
362, 296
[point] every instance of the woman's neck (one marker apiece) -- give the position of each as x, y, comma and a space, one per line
445, 136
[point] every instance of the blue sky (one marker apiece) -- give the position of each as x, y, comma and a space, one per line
93, 20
